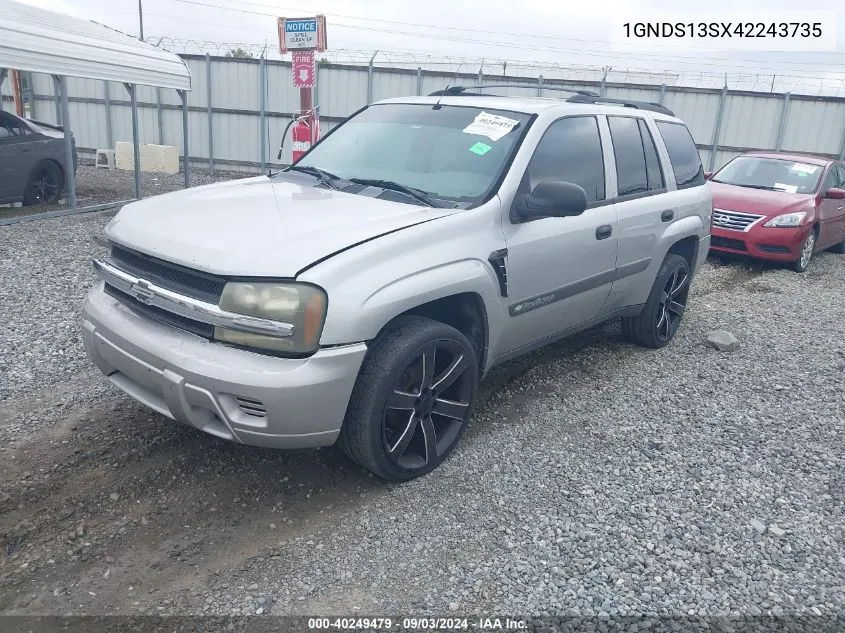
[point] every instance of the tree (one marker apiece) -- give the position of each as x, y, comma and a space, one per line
239, 53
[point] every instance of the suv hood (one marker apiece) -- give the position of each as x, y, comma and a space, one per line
258, 226
749, 200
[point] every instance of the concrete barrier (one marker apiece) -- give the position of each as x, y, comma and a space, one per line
154, 158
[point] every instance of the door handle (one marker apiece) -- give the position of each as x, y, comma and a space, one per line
667, 215
604, 231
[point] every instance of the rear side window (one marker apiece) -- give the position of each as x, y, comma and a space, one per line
686, 163
631, 172
10, 127
570, 150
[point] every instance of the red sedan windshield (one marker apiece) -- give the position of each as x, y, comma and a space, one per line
775, 174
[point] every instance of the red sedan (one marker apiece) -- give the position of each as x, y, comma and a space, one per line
778, 206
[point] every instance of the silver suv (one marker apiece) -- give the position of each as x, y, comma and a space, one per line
359, 296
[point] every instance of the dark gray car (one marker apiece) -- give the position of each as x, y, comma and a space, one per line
33, 164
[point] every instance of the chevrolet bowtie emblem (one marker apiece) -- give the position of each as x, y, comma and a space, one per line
141, 291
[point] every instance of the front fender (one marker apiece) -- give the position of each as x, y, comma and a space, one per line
354, 318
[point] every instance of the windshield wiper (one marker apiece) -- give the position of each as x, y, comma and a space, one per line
417, 194
325, 177
764, 187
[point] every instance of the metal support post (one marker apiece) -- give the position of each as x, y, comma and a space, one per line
842, 149
419, 80
136, 147
540, 86
718, 128
370, 79
262, 117
183, 95
784, 114
107, 101
210, 113
159, 117
60, 84
3, 72
662, 94
58, 100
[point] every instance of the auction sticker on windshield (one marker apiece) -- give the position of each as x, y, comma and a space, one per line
492, 126
804, 168
787, 188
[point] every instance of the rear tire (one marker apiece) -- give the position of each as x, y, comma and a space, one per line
45, 184
661, 317
412, 400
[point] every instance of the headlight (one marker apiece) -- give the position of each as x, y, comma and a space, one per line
301, 305
787, 220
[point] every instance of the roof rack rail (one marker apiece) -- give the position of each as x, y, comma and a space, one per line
578, 96
456, 91
640, 105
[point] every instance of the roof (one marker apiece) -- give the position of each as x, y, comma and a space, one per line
526, 105
40, 41
798, 158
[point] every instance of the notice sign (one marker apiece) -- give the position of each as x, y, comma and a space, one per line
304, 69
302, 34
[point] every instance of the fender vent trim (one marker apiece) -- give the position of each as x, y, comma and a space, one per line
498, 260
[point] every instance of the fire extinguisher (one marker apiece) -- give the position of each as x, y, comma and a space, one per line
301, 137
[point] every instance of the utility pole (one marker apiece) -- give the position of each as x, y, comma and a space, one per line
141, 19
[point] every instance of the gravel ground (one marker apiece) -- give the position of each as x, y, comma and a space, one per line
100, 186
598, 478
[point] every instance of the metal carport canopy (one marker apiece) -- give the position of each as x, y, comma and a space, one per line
40, 41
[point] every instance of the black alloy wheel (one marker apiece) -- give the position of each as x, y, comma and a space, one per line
428, 406
664, 309
412, 400
44, 186
671, 304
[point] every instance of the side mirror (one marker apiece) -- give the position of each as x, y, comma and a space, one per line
707, 175
835, 193
552, 199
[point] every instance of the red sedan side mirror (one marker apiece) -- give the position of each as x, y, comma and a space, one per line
835, 194
707, 175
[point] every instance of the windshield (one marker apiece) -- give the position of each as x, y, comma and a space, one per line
776, 174
452, 153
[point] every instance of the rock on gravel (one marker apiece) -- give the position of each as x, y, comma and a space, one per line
722, 340
777, 531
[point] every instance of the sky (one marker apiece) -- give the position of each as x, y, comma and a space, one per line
462, 33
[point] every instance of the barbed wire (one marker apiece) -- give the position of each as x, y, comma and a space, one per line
403, 59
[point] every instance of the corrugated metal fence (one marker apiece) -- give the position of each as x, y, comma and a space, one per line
229, 112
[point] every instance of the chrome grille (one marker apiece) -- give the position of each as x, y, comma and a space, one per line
193, 283
734, 220
250, 406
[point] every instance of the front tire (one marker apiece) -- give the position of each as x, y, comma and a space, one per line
412, 400
661, 317
808, 247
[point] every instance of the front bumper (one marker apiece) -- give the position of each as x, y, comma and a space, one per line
233, 394
775, 244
